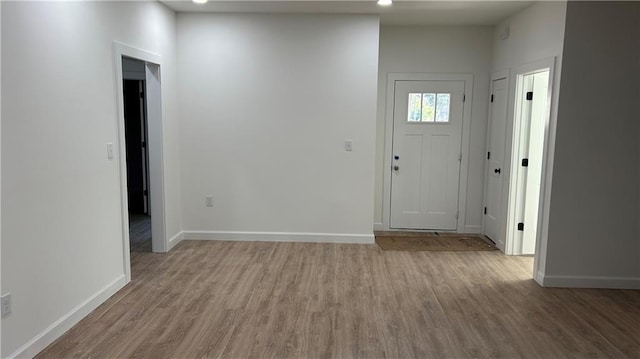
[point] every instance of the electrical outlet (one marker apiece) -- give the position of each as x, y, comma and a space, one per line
348, 145
208, 201
5, 303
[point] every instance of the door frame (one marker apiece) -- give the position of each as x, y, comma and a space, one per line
505, 74
465, 139
156, 161
513, 145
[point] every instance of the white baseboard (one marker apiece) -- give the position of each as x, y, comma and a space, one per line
539, 278
279, 237
588, 282
173, 241
60, 326
378, 226
473, 229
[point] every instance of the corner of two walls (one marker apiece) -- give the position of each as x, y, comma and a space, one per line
590, 237
267, 102
535, 33
439, 49
62, 250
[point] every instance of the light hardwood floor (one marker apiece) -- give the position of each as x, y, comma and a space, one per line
296, 300
139, 233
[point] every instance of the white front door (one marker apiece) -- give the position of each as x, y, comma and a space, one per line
495, 160
427, 135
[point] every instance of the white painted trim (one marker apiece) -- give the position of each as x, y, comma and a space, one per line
473, 229
155, 150
60, 326
504, 74
279, 237
120, 50
465, 139
513, 128
589, 282
175, 240
378, 226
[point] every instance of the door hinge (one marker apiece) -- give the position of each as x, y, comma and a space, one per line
144, 144
145, 192
521, 226
488, 155
464, 97
485, 210
491, 98
525, 162
460, 157
457, 214
529, 95
141, 94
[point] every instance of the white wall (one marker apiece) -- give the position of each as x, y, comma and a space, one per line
1, 167
535, 33
266, 102
439, 50
62, 239
593, 232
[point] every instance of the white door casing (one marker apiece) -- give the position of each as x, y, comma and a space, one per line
426, 154
155, 146
392, 77
514, 144
532, 142
495, 169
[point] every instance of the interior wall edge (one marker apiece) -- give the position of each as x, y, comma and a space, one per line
31, 348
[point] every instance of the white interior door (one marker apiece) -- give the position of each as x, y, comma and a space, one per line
495, 161
427, 135
533, 153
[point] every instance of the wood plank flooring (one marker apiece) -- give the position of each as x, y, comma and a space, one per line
139, 233
209, 299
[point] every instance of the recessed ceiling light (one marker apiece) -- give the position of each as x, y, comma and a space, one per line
385, 2
200, 1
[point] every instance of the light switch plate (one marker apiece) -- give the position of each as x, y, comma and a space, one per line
348, 145
109, 151
5, 304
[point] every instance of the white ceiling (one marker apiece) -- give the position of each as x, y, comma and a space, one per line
422, 12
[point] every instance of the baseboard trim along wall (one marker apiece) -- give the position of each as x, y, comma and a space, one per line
173, 241
590, 282
279, 237
60, 326
378, 226
473, 229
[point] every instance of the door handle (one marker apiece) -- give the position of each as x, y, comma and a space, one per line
497, 170
396, 168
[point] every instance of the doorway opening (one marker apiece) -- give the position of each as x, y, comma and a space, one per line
531, 114
518, 169
137, 156
530, 146
140, 150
